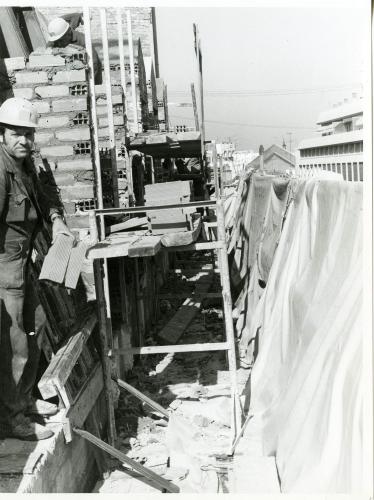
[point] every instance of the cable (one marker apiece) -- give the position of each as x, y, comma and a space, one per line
295, 127
270, 92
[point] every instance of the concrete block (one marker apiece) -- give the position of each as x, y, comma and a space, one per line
26, 93
53, 121
64, 179
14, 63
42, 106
43, 137
31, 77
101, 89
74, 134
75, 75
69, 207
103, 132
77, 192
72, 104
46, 60
117, 120
116, 99
52, 91
57, 151
68, 165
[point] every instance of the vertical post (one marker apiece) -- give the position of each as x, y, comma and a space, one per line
215, 170
132, 71
105, 331
195, 107
109, 102
95, 136
199, 61
15, 42
139, 304
166, 109
125, 103
261, 153
101, 282
227, 306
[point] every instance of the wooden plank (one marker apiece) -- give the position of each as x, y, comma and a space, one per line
129, 224
108, 249
132, 72
86, 399
73, 270
19, 463
61, 365
196, 116
143, 397
56, 261
134, 210
145, 246
203, 245
165, 349
149, 474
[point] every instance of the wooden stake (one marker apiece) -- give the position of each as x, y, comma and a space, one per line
95, 136
109, 103
227, 306
105, 334
125, 98
195, 107
199, 64
132, 71
143, 397
143, 471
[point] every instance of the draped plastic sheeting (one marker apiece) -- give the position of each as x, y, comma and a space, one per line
306, 383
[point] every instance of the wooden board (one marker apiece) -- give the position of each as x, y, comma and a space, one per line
57, 258
62, 364
129, 224
145, 246
174, 329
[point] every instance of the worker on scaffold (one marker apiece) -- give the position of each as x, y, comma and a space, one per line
23, 207
62, 32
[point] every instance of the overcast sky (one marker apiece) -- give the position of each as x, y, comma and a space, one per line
307, 58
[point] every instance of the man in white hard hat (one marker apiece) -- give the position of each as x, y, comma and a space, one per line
61, 31
23, 206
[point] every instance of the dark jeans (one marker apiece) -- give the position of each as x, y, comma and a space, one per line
21, 325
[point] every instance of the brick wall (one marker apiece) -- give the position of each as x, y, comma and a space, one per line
58, 87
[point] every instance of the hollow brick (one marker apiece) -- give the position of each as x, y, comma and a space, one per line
78, 104
66, 150
75, 75
53, 121
74, 134
31, 77
52, 91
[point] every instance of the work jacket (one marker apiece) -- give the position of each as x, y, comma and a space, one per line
23, 207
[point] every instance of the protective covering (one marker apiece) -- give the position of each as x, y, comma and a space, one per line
306, 383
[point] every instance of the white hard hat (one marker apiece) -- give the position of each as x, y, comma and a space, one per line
57, 29
18, 112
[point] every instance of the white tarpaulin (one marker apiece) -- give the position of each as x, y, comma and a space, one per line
307, 378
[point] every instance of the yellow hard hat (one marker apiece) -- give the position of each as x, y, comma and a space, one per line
57, 29
18, 112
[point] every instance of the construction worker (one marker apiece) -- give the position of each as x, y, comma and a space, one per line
23, 206
61, 31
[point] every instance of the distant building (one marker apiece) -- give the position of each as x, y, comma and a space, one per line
339, 148
276, 159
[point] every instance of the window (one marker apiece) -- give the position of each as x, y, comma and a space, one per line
357, 147
330, 150
341, 149
324, 166
351, 147
361, 147
338, 169
349, 168
348, 126
344, 171
361, 169
336, 150
346, 148
355, 172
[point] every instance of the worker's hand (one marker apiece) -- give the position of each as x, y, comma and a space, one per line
59, 227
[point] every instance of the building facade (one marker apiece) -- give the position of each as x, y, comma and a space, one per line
339, 147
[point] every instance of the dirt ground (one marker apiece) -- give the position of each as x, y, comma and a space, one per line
195, 389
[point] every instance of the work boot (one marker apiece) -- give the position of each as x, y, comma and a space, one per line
22, 428
40, 407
